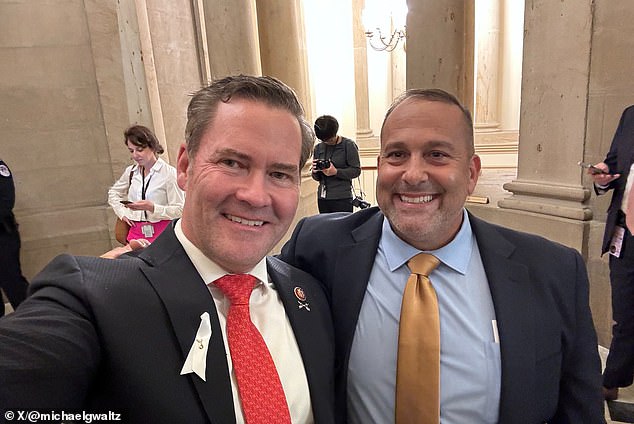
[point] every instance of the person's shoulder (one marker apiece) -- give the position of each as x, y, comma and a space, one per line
87, 274
536, 244
335, 226
161, 163
342, 219
97, 264
349, 141
163, 166
628, 112
289, 271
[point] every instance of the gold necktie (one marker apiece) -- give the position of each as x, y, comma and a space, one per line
418, 367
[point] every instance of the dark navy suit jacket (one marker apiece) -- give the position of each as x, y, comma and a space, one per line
619, 159
112, 335
550, 363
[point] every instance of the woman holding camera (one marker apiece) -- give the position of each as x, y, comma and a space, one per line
335, 164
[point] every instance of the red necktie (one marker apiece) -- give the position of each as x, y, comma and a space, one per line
259, 386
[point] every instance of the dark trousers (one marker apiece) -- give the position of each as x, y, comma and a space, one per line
334, 205
619, 370
12, 282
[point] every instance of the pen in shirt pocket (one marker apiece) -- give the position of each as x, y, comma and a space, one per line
496, 335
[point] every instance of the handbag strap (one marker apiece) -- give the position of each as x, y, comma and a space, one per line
130, 179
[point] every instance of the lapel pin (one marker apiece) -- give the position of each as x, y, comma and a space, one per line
301, 298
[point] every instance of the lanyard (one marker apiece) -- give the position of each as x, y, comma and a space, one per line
144, 187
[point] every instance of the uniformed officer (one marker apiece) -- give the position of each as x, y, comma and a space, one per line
12, 282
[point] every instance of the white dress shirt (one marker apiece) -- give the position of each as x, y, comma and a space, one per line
269, 317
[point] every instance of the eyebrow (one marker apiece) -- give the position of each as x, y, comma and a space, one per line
430, 145
279, 166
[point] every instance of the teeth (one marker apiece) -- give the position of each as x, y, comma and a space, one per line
245, 221
420, 199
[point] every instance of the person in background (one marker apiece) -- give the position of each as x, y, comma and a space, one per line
200, 326
502, 334
615, 174
335, 164
12, 282
147, 196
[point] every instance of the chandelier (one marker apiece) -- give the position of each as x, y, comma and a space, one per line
384, 23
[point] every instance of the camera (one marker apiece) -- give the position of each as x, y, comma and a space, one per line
322, 164
358, 202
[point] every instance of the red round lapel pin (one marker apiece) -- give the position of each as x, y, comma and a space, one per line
301, 298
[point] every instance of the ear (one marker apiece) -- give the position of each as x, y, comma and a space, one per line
182, 165
475, 167
378, 160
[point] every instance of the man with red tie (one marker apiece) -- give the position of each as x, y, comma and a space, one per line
200, 326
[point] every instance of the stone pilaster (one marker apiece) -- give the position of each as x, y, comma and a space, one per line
230, 36
440, 46
283, 46
487, 26
364, 133
553, 115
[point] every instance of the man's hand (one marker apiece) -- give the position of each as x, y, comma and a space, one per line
602, 179
136, 244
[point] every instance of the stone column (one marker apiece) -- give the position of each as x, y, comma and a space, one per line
283, 45
283, 55
365, 136
487, 25
229, 36
440, 46
553, 119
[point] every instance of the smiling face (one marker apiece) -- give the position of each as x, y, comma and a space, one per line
242, 184
426, 171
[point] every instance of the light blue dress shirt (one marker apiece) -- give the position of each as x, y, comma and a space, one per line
470, 370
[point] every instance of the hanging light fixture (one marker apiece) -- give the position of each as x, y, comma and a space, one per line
384, 23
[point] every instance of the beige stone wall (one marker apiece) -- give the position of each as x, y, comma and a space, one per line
52, 128
73, 79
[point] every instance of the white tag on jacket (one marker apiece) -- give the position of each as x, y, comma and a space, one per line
196, 361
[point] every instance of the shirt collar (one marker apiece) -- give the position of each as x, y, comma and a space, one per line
208, 269
158, 164
456, 254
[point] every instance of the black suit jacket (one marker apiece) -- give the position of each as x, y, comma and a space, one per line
619, 159
101, 335
550, 363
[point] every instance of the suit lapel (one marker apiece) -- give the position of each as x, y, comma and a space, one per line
312, 326
185, 297
352, 266
513, 300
